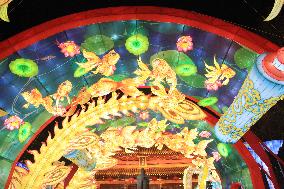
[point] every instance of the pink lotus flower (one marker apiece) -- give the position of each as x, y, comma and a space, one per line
144, 115
216, 156
213, 86
184, 43
205, 134
13, 122
69, 48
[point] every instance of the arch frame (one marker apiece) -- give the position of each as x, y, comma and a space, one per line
148, 13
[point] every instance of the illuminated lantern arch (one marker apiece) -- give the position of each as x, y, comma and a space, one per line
145, 13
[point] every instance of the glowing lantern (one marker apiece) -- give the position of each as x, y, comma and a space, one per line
24, 67
154, 178
223, 149
109, 179
24, 131
137, 44
175, 178
13, 122
184, 43
131, 180
69, 48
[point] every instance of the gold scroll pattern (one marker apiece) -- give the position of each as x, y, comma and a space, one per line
248, 99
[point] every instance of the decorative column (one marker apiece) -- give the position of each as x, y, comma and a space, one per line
202, 178
187, 178
261, 90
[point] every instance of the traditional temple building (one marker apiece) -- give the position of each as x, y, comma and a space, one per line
164, 167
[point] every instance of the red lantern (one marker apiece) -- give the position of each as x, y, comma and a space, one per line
109, 179
175, 178
154, 178
131, 180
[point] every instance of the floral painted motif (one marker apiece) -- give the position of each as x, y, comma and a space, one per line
205, 134
184, 43
213, 86
69, 48
13, 122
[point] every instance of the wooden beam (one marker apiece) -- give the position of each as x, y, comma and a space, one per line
158, 161
121, 182
136, 166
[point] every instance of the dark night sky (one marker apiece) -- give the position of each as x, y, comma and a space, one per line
247, 13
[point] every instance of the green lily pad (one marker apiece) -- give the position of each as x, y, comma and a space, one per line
244, 58
208, 101
98, 44
186, 70
195, 80
173, 58
214, 106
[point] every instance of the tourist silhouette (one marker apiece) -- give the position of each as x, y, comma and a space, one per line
142, 180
